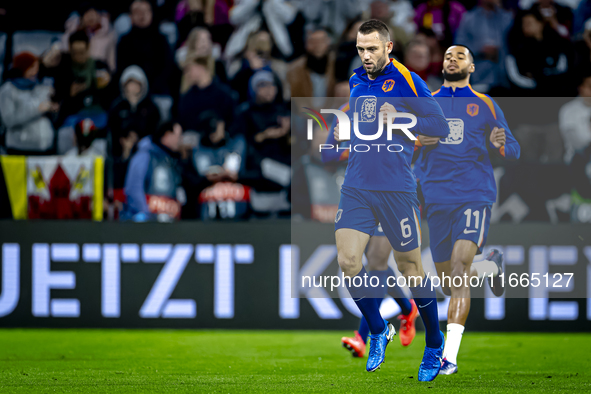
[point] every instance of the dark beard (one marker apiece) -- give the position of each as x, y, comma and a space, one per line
379, 69
462, 74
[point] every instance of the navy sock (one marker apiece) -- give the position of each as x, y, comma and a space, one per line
425, 299
363, 327
364, 296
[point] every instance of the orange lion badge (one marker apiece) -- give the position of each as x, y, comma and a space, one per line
472, 109
388, 85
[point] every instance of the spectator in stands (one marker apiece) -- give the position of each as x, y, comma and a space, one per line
199, 13
347, 56
220, 158
558, 17
90, 141
264, 122
380, 10
96, 25
312, 75
133, 111
575, 121
214, 13
154, 177
540, 58
484, 30
203, 95
146, 47
417, 58
332, 15
441, 16
199, 44
80, 80
427, 37
24, 104
582, 15
401, 16
250, 15
258, 56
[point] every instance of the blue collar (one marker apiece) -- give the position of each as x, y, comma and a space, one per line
459, 92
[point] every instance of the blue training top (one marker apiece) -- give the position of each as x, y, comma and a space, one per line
386, 166
458, 168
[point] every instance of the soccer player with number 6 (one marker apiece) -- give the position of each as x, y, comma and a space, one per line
381, 187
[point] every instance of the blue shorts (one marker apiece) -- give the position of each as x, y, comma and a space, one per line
450, 222
397, 213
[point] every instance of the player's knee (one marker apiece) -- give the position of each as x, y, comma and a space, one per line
459, 269
348, 262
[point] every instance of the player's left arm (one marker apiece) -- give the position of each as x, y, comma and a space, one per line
430, 118
501, 139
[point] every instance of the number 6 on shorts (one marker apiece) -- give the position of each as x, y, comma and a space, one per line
406, 229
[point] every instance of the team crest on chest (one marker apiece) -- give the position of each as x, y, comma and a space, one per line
456, 132
388, 85
366, 106
472, 109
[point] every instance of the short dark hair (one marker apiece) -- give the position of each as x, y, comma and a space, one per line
375, 25
79, 35
162, 130
464, 46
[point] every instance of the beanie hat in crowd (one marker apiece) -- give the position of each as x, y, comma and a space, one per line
260, 76
23, 61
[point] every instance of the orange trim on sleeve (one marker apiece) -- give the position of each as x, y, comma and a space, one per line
502, 150
344, 155
486, 99
406, 74
435, 92
418, 144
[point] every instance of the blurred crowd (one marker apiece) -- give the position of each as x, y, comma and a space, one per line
188, 100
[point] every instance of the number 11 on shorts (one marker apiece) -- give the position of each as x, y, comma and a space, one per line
468, 212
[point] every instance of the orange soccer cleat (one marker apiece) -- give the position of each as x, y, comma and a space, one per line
355, 345
407, 325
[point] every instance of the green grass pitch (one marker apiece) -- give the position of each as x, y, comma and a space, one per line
137, 361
